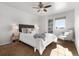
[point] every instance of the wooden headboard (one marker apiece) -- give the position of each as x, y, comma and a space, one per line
24, 26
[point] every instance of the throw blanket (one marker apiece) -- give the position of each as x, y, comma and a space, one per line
40, 35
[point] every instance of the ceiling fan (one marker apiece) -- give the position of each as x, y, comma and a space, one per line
41, 6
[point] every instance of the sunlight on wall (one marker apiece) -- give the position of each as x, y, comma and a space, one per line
61, 51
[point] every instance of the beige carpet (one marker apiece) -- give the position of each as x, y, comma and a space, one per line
60, 51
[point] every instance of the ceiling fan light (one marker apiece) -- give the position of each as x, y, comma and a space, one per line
41, 7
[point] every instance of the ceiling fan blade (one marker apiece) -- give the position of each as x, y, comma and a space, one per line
45, 10
47, 6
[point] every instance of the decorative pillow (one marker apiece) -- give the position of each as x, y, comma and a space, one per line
29, 30
34, 32
40, 35
24, 30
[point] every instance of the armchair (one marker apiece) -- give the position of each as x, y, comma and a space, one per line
68, 35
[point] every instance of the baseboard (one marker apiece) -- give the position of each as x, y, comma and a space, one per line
5, 43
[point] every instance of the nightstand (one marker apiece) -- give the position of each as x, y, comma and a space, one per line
15, 37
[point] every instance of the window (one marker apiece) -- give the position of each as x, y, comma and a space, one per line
60, 23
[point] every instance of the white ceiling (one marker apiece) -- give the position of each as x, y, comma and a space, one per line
57, 7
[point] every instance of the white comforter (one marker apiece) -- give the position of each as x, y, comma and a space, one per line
38, 43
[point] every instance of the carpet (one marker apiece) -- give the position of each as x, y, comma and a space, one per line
60, 51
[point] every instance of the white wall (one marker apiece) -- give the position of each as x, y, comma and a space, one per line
43, 24
77, 28
8, 16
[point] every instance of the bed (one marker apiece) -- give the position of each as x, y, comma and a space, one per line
38, 43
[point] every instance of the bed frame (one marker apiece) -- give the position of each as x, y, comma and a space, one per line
24, 26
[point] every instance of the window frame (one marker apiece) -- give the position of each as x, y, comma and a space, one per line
60, 18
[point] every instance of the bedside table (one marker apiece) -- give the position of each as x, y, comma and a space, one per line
15, 37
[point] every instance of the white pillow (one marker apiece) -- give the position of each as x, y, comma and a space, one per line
34, 32
29, 30
24, 30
